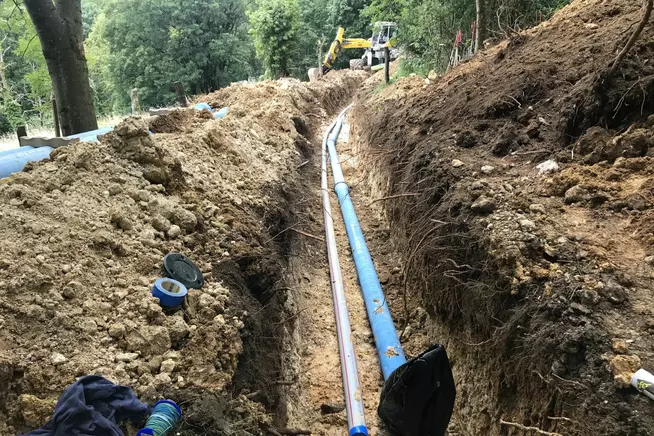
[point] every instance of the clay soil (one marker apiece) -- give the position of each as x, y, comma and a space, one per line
84, 234
538, 283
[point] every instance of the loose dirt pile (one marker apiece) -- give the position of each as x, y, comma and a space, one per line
83, 238
538, 282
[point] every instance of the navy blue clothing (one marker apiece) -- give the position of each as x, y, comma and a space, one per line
93, 406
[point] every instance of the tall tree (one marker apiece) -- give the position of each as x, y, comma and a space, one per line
60, 30
480, 25
150, 44
274, 25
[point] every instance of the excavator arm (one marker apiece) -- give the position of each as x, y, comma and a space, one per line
339, 44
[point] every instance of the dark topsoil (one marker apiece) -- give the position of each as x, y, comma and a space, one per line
539, 284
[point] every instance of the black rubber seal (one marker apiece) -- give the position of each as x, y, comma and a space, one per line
181, 268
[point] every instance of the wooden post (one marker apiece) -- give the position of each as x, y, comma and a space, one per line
180, 93
136, 104
21, 131
55, 117
320, 57
387, 65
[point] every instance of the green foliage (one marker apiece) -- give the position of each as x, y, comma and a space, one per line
384, 10
274, 24
207, 44
26, 88
150, 44
427, 28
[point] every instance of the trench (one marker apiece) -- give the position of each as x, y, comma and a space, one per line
291, 357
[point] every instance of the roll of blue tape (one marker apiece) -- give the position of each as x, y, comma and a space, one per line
170, 293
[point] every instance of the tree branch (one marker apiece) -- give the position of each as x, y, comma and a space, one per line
28, 46
634, 36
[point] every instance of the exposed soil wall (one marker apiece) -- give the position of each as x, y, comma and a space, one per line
84, 234
537, 283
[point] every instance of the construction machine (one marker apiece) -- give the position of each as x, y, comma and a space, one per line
383, 41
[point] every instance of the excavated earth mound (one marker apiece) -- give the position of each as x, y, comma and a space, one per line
84, 234
538, 280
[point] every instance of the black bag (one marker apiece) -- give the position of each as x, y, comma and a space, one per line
418, 397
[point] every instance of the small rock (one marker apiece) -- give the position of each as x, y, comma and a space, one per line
119, 219
487, 169
115, 189
174, 231
117, 330
649, 260
619, 346
143, 195
590, 297
576, 194
527, 225
35, 411
71, 289
149, 340
623, 368
177, 328
206, 300
126, 357
172, 354
185, 219
167, 366
579, 308
35, 311
537, 208
547, 167
155, 364
88, 326
591, 26
483, 205
161, 223
162, 379
456, 163
58, 359
433, 75
329, 408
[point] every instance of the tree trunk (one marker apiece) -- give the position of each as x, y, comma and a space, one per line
59, 27
480, 27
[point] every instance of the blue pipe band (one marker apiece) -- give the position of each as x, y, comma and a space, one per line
360, 430
170, 293
389, 349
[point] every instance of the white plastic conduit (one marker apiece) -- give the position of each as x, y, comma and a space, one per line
351, 386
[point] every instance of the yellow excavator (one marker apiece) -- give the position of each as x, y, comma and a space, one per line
383, 41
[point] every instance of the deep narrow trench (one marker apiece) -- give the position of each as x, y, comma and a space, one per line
316, 401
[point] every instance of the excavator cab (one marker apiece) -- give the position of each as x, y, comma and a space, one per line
384, 36
383, 33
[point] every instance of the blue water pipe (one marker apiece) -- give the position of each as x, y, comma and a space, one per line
91, 136
391, 355
216, 114
14, 160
